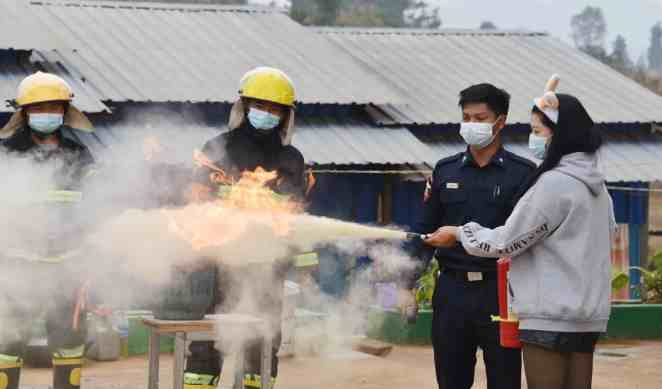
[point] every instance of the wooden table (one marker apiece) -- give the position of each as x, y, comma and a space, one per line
203, 330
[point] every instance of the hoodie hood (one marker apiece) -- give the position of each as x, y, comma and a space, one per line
583, 167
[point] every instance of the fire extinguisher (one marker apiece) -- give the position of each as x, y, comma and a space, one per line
508, 323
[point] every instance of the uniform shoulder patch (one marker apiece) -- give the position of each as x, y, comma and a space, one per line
521, 160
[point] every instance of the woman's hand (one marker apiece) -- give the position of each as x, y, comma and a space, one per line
444, 237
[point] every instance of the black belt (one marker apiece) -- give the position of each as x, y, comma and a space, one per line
470, 276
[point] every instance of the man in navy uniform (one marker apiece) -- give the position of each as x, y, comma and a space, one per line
479, 184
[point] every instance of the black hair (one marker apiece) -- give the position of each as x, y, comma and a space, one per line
544, 119
497, 99
574, 132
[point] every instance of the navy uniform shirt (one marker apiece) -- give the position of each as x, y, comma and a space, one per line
460, 192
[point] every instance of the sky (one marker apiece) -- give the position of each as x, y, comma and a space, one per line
631, 18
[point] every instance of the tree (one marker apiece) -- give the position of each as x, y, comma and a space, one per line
619, 58
646, 78
488, 25
328, 11
588, 32
315, 12
655, 49
360, 15
420, 14
366, 13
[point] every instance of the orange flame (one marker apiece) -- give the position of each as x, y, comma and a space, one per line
205, 226
249, 201
217, 176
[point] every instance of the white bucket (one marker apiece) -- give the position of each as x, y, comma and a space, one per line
291, 292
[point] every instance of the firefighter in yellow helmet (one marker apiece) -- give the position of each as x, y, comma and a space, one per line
43, 129
46, 125
260, 135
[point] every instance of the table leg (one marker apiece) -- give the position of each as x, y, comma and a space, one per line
267, 349
239, 369
153, 373
179, 358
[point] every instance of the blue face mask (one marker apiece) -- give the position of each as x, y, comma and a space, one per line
538, 145
262, 120
45, 123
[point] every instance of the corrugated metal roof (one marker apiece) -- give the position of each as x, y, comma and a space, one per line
337, 142
430, 67
15, 66
176, 53
625, 156
323, 140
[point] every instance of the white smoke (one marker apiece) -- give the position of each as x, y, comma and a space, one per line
123, 242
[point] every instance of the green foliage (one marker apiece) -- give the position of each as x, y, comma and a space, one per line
656, 261
315, 12
421, 15
652, 279
366, 13
619, 58
426, 285
488, 25
619, 281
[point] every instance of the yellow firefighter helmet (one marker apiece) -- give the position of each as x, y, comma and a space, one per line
42, 87
269, 84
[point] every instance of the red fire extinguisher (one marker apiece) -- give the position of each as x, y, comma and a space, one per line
508, 323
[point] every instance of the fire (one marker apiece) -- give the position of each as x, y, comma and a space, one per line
206, 225
248, 202
218, 175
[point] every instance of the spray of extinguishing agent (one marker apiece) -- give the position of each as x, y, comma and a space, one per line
508, 322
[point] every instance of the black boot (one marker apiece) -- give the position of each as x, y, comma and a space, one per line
254, 381
10, 374
203, 366
67, 373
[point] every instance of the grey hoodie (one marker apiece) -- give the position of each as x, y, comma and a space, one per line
559, 237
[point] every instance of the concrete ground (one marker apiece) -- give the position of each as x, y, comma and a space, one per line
631, 365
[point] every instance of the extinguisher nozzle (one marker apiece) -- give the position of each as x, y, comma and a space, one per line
417, 237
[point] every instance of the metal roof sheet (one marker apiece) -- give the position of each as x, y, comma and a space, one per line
14, 66
322, 139
430, 67
151, 52
625, 156
330, 141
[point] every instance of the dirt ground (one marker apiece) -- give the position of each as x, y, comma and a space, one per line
631, 365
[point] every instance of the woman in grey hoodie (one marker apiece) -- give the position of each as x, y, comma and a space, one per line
559, 237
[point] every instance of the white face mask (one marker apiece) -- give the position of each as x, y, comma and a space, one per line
45, 123
478, 135
538, 145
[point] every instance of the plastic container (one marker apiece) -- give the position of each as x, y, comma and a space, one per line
121, 325
292, 291
106, 340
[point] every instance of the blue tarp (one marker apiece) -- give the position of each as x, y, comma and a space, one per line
630, 206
